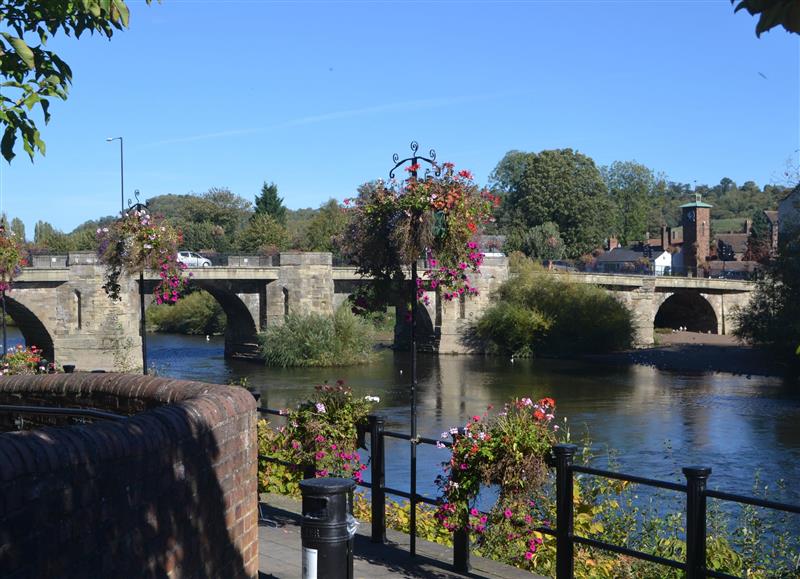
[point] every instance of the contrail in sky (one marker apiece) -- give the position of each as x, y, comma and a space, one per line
412, 105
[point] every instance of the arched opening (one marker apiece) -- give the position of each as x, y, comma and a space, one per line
31, 328
426, 332
241, 335
689, 310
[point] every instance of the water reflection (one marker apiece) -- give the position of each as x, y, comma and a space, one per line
657, 421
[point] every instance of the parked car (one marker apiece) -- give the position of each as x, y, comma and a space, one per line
192, 259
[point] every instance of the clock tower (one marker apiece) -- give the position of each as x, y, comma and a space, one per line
696, 222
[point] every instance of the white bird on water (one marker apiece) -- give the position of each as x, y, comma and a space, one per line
208, 338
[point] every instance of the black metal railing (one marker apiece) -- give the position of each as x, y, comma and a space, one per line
695, 489
77, 415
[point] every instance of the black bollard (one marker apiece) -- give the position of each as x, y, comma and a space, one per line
69, 368
328, 528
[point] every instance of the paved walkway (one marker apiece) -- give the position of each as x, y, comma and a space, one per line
280, 558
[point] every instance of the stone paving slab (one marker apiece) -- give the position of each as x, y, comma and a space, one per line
280, 555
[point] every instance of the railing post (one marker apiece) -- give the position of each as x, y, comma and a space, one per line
696, 479
461, 562
564, 454
377, 476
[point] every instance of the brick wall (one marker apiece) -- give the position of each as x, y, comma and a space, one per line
169, 491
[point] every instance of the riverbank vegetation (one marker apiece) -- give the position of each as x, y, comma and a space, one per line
196, 314
341, 339
536, 313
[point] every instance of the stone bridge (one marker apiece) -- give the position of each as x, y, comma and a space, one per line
60, 306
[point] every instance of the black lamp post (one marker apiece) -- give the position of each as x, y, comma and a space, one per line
139, 206
121, 173
414, 161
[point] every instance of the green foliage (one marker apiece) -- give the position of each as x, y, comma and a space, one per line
541, 242
269, 203
210, 221
772, 316
18, 228
31, 75
342, 339
398, 517
321, 435
560, 186
630, 186
560, 316
198, 313
772, 13
326, 228
263, 234
514, 329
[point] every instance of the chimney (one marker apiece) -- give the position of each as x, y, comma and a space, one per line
748, 225
664, 237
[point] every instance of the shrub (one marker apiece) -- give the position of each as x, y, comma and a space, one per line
197, 313
342, 339
537, 311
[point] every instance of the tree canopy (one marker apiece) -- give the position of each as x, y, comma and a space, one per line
630, 186
772, 13
268, 202
30, 73
560, 186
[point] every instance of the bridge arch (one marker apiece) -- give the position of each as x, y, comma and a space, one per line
31, 327
687, 309
241, 330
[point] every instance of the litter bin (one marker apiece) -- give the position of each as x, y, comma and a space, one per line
328, 528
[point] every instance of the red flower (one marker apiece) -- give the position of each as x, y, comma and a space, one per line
465, 174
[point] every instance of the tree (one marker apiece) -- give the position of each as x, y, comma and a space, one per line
45, 236
31, 74
18, 227
327, 225
561, 186
263, 234
759, 242
772, 13
542, 242
269, 202
772, 316
630, 185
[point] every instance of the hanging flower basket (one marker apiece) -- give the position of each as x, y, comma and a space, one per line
11, 260
436, 218
140, 242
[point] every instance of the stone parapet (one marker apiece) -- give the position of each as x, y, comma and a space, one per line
167, 491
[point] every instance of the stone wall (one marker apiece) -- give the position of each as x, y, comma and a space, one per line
168, 491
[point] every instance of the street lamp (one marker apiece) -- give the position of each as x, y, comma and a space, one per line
121, 174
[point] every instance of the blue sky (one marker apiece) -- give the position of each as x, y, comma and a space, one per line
317, 96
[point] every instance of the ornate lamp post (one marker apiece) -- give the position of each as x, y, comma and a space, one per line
413, 168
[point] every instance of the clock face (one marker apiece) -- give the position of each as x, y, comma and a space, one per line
690, 215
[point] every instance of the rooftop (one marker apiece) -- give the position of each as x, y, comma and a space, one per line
697, 202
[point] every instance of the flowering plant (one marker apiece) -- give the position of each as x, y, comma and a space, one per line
11, 260
321, 434
140, 242
435, 217
508, 450
22, 360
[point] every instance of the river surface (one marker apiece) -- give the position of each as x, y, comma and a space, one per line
656, 421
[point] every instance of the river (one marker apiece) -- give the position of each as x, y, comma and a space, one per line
657, 421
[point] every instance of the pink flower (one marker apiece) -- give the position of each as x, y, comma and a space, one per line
474, 512
319, 438
528, 555
320, 455
508, 514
